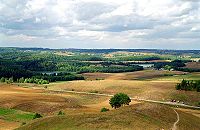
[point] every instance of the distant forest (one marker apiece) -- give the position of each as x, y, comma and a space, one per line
158, 51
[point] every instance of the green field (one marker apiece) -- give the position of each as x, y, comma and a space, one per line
15, 115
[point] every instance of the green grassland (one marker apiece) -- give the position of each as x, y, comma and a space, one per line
15, 115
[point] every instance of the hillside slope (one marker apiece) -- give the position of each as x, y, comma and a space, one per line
138, 116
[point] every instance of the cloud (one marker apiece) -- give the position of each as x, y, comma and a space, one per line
100, 23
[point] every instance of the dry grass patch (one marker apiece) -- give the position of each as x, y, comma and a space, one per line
143, 89
138, 75
193, 65
8, 125
34, 100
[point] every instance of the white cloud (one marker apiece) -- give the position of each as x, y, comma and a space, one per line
100, 23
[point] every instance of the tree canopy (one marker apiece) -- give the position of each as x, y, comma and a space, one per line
119, 99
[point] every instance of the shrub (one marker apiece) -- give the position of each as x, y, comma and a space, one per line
104, 109
94, 91
21, 80
37, 115
198, 104
23, 123
2, 79
61, 113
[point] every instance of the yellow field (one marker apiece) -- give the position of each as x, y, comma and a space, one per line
147, 84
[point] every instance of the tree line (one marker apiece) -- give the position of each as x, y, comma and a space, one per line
43, 78
23, 80
176, 64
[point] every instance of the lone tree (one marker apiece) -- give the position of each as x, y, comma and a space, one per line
119, 99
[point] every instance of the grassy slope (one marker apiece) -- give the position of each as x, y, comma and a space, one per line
140, 116
188, 122
11, 118
15, 115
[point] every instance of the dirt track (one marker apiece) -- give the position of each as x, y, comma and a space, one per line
175, 123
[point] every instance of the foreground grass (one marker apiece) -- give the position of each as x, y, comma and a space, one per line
140, 116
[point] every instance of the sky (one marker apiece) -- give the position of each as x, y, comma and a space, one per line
153, 24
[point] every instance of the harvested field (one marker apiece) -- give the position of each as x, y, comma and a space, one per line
138, 75
193, 65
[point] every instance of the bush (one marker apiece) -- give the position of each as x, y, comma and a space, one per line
94, 91
119, 100
104, 109
21, 80
23, 123
37, 115
61, 113
2, 79
198, 104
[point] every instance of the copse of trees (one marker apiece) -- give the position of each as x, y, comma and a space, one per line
189, 85
119, 99
176, 64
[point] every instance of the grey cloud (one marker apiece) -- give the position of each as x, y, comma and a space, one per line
87, 11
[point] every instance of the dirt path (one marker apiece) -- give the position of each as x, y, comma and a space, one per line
175, 123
